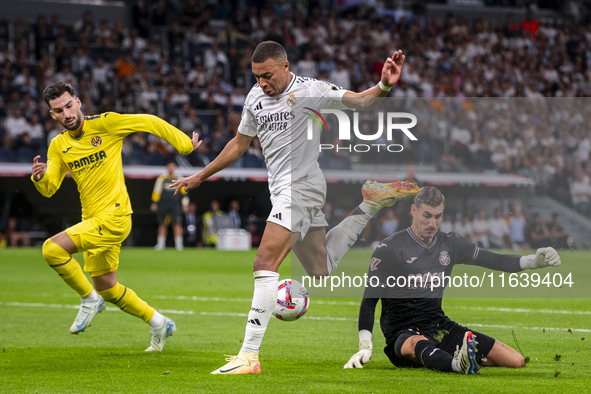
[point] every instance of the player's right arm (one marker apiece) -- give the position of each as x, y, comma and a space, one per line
382, 260
48, 178
123, 125
367, 312
231, 152
247, 130
156, 193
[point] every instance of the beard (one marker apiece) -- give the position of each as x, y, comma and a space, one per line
75, 125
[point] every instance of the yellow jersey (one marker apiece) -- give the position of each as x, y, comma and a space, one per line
94, 160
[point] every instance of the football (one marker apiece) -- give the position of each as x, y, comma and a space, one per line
292, 300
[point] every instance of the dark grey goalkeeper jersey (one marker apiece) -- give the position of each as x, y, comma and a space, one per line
410, 301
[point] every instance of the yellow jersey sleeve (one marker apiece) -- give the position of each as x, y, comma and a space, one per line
54, 174
157, 192
123, 125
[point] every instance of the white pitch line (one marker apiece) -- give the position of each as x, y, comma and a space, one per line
322, 318
343, 303
519, 310
357, 303
67, 306
249, 300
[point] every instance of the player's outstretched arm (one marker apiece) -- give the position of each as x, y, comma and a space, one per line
232, 152
365, 351
372, 97
48, 178
123, 125
544, 257
366, 318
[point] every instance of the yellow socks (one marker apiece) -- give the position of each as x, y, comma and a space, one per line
67, 267
128, 301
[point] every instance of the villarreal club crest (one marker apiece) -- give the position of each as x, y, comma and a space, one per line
96, 141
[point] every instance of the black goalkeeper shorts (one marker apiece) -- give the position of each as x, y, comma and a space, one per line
169, 209
445, 335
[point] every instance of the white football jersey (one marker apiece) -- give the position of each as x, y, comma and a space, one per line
281, 123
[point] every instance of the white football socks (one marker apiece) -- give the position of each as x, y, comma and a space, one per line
161, 242
263, 304
92, 297
178, 242
157, 320
340, 239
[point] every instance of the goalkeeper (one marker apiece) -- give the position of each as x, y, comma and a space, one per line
417, 331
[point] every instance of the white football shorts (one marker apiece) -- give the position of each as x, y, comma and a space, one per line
299, 207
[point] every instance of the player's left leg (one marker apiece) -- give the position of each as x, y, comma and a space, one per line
502, 355
58, 251
176, 219
275, 245
320, 254
426, 351
163, 217
128, 301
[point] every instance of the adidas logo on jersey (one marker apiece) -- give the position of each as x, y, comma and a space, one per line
259, 106
277, 216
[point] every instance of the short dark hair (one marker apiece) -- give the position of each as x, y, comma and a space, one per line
55, 90
268, 50
429, 195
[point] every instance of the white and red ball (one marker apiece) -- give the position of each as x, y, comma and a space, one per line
292, 300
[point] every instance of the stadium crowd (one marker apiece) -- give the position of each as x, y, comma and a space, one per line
485, 88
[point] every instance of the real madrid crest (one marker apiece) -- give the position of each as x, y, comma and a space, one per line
444, 258
96, 141
291, 100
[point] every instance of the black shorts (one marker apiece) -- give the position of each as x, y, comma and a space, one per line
174, 210
439, 338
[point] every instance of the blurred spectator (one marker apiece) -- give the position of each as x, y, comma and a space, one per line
6, 152
539, 235
210, 223
216, 61
481, 229
389, 223
463, 228
559, 237
16, 124
307, 66
190, 225
234, 213
581, 194
15, 234
446, 225
255, 226
499, 231
517, 228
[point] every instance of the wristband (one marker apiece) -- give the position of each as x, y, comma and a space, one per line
384, 87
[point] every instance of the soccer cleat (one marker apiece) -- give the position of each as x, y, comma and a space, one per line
159, 336
466, 355
379, 195
86, 313
242, 364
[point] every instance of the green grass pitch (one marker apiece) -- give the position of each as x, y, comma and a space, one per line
208, 294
